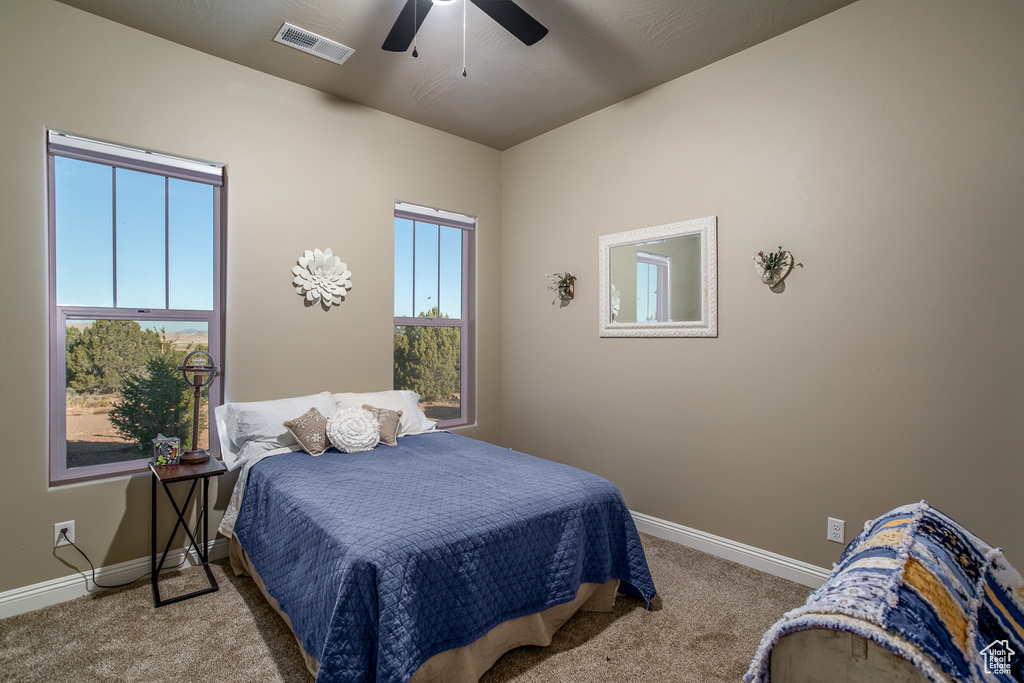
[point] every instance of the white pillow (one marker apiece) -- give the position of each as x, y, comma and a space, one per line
234, 457
413, 421
263, 421
353, 430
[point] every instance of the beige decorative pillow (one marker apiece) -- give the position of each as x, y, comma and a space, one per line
388, 421
310, 430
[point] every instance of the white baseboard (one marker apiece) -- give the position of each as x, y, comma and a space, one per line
747, 555
21, 600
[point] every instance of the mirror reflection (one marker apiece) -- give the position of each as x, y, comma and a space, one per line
660, 281
656, 281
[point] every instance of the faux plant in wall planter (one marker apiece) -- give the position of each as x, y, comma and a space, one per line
321, 276
564, 284
773, 268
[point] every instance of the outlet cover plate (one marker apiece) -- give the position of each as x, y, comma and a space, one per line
836, 530
59, 540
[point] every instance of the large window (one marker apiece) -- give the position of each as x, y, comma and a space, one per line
135, 276
433, 311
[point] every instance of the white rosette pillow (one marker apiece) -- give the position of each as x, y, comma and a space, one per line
353, 430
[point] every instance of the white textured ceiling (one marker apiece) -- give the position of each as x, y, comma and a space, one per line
597, 52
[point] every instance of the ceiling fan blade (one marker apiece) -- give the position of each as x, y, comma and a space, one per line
403, 32
513, 19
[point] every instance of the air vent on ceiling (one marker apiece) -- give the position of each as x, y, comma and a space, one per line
301, 39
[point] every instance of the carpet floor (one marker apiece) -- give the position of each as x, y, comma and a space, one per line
705, 626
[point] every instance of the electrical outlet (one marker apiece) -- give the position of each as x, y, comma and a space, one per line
58, 539
836, 530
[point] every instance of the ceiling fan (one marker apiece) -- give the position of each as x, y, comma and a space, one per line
508, 14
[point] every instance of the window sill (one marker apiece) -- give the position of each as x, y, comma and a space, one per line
81, 475
95, 473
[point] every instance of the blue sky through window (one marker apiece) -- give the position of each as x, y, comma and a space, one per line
450, 275
428, 269
403, 268
425, 280
141, 254
84, 215
156, 218
190, 216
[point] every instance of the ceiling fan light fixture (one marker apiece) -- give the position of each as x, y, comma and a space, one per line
506, 13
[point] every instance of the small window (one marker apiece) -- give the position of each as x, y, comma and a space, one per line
135, 282
433, 311
652, 290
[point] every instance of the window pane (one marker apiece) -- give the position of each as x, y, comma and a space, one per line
122, 387
643, 292
141, 240
84, 220
426, 269
450, 272
190, 236
428, 360
403, 268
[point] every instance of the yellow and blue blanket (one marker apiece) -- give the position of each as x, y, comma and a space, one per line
926, 589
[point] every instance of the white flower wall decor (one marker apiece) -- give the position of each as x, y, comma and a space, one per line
322, 276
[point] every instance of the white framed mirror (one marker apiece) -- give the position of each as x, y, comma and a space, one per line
660, 281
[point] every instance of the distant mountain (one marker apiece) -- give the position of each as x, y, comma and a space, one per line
182, 338
191, 338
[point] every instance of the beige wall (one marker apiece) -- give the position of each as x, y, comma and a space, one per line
304, 170
883, 145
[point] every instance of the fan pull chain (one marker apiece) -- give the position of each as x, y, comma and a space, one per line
415, 6
463, 38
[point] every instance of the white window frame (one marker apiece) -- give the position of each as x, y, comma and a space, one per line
467, 323
117, 156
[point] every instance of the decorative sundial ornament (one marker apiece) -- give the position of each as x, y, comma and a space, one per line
322, 276
198, 371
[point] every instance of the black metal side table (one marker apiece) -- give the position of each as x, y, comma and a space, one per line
169, 474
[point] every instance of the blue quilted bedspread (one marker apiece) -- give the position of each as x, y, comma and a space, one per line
385, 558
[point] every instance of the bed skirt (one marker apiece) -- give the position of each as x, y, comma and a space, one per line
466, 664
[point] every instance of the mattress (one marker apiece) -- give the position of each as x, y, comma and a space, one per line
382, 560
468, 663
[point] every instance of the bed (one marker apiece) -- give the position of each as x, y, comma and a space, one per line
428, 559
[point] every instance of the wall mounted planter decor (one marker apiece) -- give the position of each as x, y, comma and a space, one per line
321, 276
773, 268
564, 286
